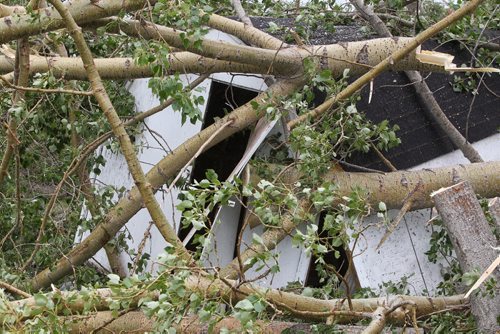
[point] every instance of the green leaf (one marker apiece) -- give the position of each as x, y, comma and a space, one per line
41, 300
321, 248
257, 239
244, 305
198, 225
114, 279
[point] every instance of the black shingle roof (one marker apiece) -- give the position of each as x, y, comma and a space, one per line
394, 99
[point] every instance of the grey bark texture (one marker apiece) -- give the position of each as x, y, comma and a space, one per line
472, 240
494, 208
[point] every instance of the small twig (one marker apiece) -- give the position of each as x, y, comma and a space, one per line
44, 90
140, 249
384, 159
407, 203
12, 289
358, 167
484, 276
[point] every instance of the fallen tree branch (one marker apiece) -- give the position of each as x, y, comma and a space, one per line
424, 94
378, 321
118, 128
392, 188
307, 308
126, 68
138, 322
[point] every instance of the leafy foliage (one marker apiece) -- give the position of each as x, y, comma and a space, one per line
49, 123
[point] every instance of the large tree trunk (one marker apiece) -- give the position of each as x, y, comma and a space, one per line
473, 242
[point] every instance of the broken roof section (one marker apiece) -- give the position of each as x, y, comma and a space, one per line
474, 112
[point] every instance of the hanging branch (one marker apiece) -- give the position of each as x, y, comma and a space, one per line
21, 76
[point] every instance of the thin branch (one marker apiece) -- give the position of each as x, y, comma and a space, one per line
240, 11
382, 157
378, 321
44, 91
12, 289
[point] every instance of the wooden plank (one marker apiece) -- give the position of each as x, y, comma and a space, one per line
473, 242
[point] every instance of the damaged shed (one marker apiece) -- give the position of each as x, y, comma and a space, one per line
369, 263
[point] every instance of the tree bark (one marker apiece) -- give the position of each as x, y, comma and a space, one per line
138, 322
472, 240
378, 322
494, 207
392, 188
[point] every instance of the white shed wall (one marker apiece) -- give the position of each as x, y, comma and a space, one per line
153, 146
402, 254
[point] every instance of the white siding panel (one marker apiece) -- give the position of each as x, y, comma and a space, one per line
402, 254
